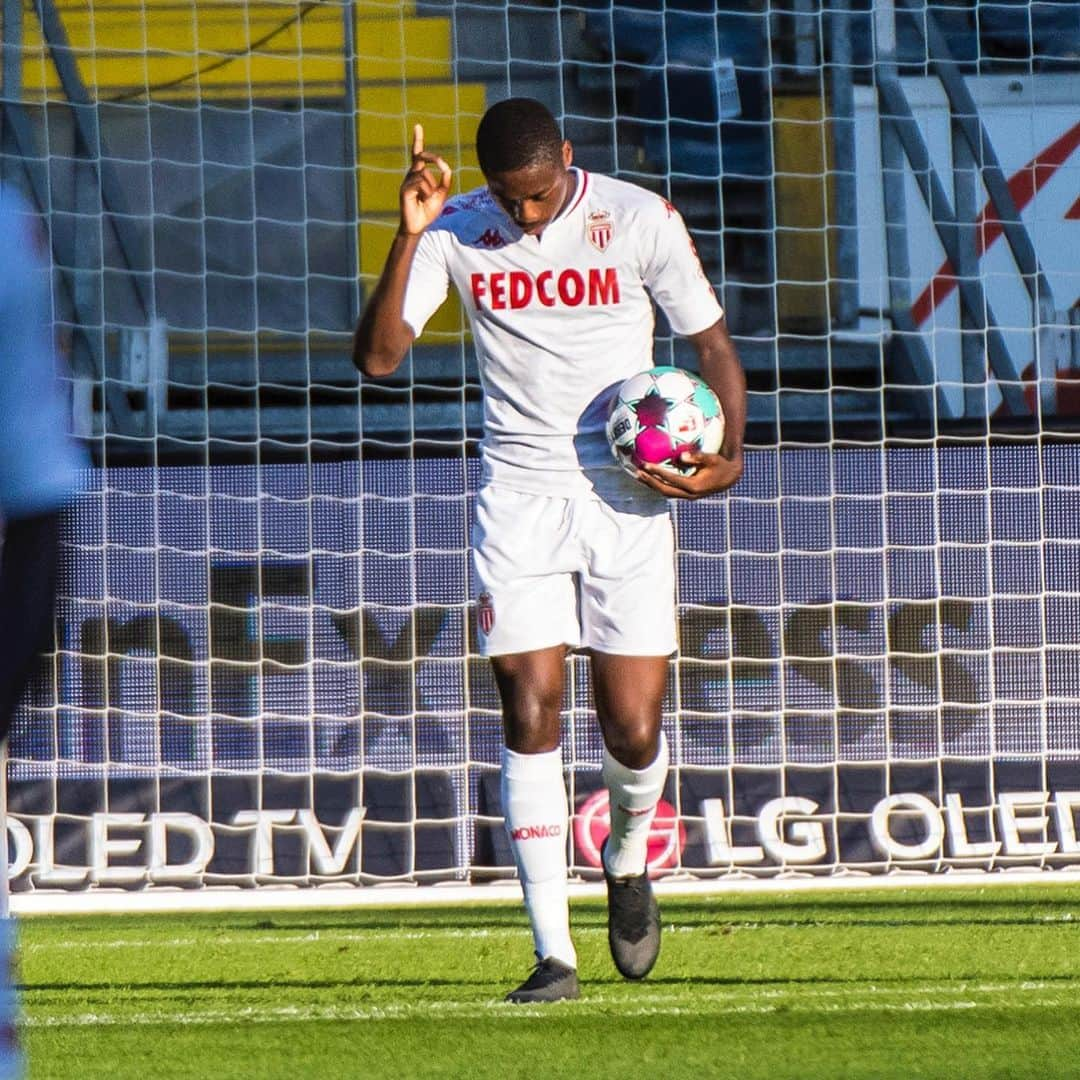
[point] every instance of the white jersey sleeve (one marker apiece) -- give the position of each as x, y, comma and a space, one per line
429, 282
673, 274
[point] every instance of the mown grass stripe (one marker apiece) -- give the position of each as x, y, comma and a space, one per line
471, 1010
286, 937
329, 935
963, 984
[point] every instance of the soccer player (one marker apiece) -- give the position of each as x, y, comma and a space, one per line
558, 269
38, 473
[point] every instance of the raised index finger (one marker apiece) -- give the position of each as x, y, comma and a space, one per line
417, 140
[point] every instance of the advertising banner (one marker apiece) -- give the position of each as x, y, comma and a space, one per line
1033, 125
268, 675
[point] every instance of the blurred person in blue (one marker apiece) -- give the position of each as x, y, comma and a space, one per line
39, 472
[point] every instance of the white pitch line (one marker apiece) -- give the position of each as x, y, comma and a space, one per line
275, 897
653, 997
330, 936
476, 934
798, 1000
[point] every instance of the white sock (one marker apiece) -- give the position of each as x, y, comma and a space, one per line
633, 795
535, 807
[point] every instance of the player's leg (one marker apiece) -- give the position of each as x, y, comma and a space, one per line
28, 568
11, 1055
527, 615
28, 563
629, 692
628, 621
535, 808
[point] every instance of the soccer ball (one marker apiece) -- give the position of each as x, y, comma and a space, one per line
659, 414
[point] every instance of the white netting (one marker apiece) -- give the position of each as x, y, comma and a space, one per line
264, 667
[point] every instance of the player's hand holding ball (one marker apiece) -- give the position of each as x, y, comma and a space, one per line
666, 428
422, 196
713, 473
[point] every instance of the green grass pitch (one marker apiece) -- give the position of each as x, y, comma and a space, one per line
977, 982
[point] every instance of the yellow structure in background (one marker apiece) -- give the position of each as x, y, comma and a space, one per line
805, 255
385, 118
273, 51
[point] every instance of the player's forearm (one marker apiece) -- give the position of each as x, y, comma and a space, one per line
721, 369
382, 337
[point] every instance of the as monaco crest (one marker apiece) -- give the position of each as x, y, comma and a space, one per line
599, 229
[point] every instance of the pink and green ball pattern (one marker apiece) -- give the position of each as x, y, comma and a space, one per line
659, 414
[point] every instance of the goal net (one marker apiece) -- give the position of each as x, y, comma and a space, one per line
265, 668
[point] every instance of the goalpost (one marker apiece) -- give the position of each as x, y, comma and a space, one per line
265, 669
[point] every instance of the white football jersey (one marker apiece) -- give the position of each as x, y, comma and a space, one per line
560, 320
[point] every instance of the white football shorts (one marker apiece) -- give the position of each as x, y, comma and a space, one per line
552, 571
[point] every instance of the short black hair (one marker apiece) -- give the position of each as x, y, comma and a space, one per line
516, 134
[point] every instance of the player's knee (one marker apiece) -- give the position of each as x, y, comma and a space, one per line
531, 690
634, 740
531, 719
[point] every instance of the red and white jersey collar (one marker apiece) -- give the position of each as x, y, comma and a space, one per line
581, 180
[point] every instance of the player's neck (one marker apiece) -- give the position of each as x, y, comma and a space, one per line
573, 179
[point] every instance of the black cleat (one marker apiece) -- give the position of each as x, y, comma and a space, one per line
551, 980
633, 923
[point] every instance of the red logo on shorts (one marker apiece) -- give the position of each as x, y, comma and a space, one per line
485, 612
592, 823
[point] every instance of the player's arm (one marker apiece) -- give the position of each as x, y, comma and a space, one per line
719, 365
672, 272
382, 337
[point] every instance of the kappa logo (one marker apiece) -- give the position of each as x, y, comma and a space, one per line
599, 229
700, 272
485, 612
490, 238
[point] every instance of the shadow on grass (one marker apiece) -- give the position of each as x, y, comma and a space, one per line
964, 905
721, 914
274, 983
